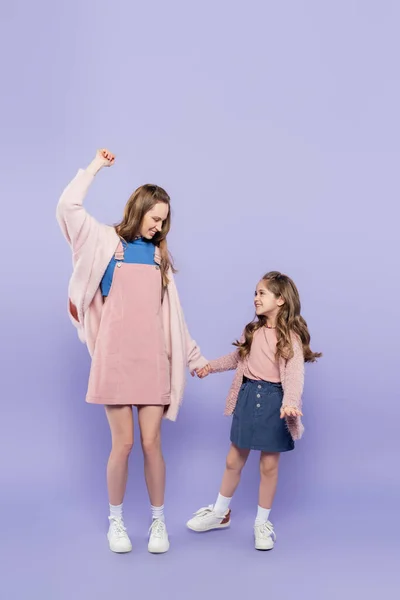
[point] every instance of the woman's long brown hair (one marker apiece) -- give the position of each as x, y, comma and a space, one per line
288, 320
142, 200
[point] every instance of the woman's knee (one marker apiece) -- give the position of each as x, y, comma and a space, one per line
121, 428
122, 447
151, 444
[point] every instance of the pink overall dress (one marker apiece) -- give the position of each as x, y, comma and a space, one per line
130, 363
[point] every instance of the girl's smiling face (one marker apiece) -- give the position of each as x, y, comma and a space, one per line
265, 302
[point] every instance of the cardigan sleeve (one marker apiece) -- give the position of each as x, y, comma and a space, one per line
294, 377
229, 362
195, 359
75, 222
192, 354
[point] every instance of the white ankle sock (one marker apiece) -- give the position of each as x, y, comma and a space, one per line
157, 512
262, 515
116, 511
222, 504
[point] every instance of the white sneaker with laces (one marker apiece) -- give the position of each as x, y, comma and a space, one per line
206, 519
264, 536
118, 538
158, 540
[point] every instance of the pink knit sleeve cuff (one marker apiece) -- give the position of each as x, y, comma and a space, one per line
229, 362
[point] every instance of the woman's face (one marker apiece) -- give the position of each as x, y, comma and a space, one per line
153, 220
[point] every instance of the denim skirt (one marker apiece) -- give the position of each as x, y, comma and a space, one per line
256, 422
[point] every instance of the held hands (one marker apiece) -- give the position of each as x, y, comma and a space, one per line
290, 411
201, 373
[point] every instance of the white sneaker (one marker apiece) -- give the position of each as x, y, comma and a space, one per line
206, 519
264, 536
158, 540
118, 538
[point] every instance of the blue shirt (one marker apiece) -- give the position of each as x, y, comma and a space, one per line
140, 252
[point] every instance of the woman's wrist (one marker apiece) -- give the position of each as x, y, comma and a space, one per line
94, 167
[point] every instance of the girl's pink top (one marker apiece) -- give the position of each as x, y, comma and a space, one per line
261, 364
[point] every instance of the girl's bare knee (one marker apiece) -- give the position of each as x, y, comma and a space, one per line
269, 466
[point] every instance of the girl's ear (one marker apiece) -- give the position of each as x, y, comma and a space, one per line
281, 301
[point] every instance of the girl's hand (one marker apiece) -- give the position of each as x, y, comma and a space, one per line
290, 411
201, 373
104, 158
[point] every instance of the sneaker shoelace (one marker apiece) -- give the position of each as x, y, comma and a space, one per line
157, 528
267, 530
204, 512
118, 527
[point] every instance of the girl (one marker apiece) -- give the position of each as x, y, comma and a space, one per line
265, 399
124, 303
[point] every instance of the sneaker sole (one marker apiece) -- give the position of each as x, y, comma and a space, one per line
262, 549
120, 551
117, 550
221, 526
158, 551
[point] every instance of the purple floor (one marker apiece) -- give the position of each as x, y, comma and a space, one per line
60, 552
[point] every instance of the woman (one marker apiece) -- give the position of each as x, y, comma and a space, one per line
124, 303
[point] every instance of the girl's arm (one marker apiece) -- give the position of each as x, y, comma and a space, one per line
294, 378
73, 219
229, 362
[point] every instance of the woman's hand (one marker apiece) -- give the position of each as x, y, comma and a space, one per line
201, 373
290, 411
104, 158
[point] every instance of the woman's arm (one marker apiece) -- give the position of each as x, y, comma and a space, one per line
195, 359
73, 219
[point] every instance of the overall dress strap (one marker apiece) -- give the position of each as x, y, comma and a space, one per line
157, 255
119, 253
157, 260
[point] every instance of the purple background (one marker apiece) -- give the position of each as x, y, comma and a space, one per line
274, 127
